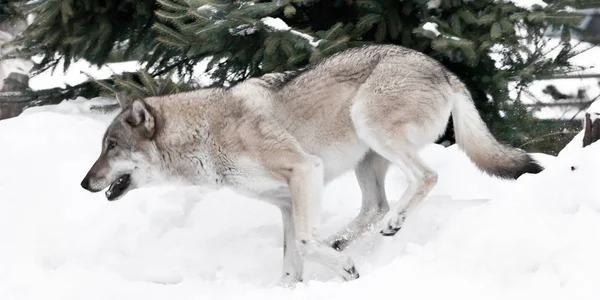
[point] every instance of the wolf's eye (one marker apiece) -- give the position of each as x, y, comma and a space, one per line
111, 145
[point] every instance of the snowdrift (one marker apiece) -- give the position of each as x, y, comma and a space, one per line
475, 237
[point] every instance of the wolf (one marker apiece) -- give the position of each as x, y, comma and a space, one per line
283, 136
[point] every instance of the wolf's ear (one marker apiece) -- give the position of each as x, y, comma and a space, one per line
142, 117
125, 100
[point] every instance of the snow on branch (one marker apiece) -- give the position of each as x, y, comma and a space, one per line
280, 25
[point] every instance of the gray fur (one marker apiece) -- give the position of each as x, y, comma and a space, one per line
282, 137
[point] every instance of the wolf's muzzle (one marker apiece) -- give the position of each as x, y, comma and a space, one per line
85, 183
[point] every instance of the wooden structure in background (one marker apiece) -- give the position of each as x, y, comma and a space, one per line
592, 129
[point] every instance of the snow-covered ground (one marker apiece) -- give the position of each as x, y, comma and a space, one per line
475, 237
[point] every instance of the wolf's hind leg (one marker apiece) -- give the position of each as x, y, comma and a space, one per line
370, 174
421, 180
410, 125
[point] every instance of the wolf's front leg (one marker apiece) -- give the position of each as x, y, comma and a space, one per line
305, 179
293, 265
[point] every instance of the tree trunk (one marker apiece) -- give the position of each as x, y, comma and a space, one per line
591, 130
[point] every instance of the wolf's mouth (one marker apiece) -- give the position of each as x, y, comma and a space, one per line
118, 187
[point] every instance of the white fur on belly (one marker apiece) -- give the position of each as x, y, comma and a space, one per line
340, 159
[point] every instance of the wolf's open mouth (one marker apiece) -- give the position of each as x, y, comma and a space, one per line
118, 187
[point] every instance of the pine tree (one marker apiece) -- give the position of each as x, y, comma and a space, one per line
461, 34
9, 10
97, 31
487, 43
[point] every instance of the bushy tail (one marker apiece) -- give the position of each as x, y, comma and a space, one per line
473, 136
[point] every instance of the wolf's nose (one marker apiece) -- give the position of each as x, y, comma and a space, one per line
85, 183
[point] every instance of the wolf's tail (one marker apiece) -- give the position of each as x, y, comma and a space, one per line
473, 136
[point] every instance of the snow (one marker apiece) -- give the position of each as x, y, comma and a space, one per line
208, 8
594, 111
594, 107
431, 4
537, 92
528, 4
244, 29
474, 237
76, 73
431, 27
275, 23
588, 58
569, 87
280, 25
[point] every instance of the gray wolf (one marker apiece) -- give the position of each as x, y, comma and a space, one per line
282, 137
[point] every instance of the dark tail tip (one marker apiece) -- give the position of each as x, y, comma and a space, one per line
532, 167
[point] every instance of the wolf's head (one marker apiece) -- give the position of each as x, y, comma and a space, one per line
128, 151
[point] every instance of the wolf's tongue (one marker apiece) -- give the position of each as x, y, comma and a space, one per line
117, 187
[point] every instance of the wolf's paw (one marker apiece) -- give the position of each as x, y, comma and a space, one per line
392, 223
351, 273
289, 280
